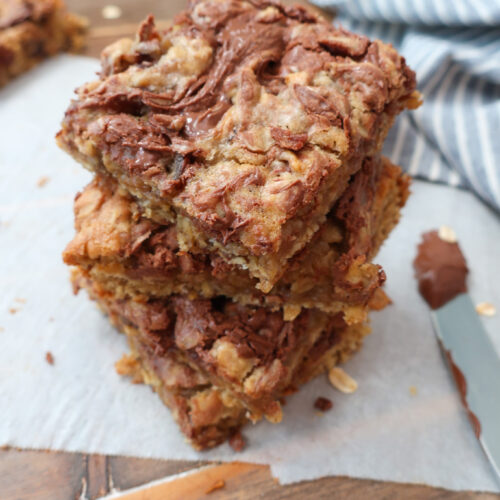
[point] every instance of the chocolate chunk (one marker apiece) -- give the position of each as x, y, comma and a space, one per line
316, 103
287, 139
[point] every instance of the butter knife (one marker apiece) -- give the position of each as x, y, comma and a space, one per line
475, 366
441, 271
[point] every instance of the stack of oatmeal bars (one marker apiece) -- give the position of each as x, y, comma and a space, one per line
237, 204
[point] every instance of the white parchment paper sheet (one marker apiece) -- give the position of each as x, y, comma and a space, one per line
81, 404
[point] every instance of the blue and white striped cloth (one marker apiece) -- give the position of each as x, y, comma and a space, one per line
454, 46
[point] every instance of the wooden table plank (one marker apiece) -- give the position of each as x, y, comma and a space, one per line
40, 475
37, 475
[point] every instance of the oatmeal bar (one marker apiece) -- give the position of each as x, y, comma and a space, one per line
31, 30
249, 351
241, 124
132, 256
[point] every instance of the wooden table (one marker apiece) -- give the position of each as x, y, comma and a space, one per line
40, 475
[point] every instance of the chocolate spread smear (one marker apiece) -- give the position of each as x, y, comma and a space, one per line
440, 269
461, 382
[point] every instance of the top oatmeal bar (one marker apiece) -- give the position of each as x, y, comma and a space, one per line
242, 124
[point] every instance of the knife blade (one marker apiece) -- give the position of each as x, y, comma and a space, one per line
475, 366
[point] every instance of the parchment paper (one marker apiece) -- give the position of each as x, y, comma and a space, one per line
80, 404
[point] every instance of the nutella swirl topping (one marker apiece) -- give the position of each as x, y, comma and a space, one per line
239, 116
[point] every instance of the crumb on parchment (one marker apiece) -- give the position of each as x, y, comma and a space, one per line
486, 309
323, 404
42, 181
49, 358
342, 381
129, 366
447, 234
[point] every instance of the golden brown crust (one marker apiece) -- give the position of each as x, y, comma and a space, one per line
246, 118
33, 30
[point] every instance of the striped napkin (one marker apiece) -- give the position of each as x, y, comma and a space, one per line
454, 46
